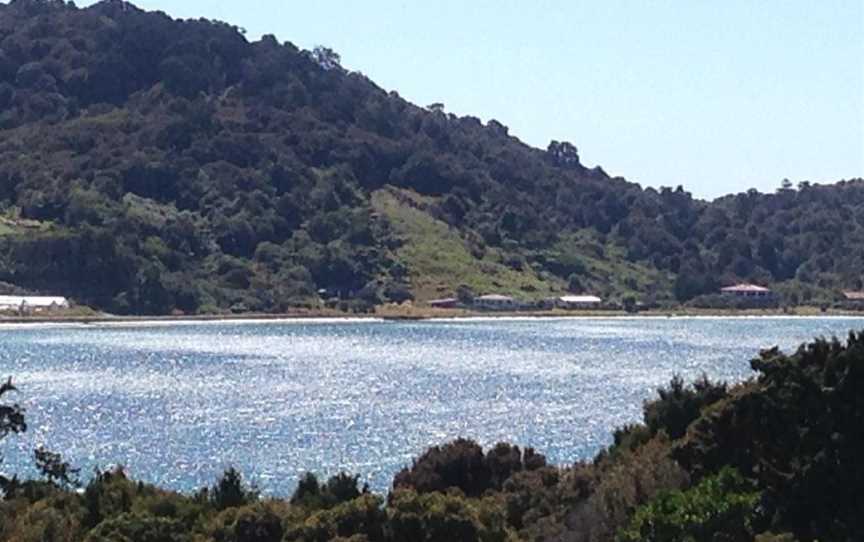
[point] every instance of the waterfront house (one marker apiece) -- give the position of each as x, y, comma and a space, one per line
747, 291
853, 300
495, 302
579, 301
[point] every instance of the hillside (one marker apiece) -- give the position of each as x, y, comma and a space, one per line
151, 165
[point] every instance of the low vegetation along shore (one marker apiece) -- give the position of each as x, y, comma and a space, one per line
401, 312
775, 458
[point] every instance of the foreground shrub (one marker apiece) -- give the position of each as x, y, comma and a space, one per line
678, 405
462, 464
231, 491
444, 517
56, 519
618, 488
719, 509
338, 489
796, 430
258, 522
132, 527
535, 502
108, 494
361, 518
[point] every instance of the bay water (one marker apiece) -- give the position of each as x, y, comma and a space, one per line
177, 403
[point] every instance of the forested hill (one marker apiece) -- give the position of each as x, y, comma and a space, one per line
150, 165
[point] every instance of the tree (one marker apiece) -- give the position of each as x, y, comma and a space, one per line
11, 416
11, 421
563, 153
54, 469
230, 491
327, 58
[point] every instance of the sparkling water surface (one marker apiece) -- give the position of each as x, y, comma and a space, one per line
178, 403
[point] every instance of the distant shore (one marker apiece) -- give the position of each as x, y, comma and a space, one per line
409, 313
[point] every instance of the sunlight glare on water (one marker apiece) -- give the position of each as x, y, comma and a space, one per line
176, 404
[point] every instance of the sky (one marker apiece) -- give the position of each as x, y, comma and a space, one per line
718, 97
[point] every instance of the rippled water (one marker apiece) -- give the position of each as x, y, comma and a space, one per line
178, 403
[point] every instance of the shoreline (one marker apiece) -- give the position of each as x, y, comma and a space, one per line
408, 314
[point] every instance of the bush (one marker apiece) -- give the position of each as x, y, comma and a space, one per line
361, 517
461, 464
439, 516
254, 523
721, 508
138, 529
230, 491
679, 405
338, 489
616, 488
797, 430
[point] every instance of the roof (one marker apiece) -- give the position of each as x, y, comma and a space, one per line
494, 297
745, 288
857, 296
31, 300
580, 299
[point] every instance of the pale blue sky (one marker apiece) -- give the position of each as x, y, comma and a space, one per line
717, 96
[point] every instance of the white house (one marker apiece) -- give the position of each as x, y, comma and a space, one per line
32, 303
747, 290
445, 303
579, 301
495, 302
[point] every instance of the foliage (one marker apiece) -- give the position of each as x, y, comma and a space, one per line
444, 516
616, 485
54, 469
230, 491
151, 165
462, 464
360, 517
11, 416
795, 430
678, 405
338, 489
719, 508
260, 522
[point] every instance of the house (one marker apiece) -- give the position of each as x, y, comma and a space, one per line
495, 302
31, 303
853, 300
579, 301
747, 291
446, 303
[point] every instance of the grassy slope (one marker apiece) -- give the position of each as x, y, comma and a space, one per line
608, 273
438, 258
